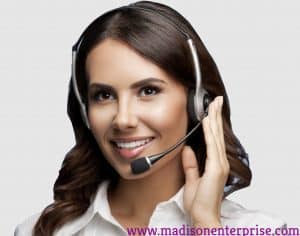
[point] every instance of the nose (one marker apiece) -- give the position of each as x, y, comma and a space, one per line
125, 117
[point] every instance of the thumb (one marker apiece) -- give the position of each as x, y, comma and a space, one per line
190, 165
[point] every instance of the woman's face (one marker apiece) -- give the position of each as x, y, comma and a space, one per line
135, 108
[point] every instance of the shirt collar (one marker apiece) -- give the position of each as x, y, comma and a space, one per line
100, 205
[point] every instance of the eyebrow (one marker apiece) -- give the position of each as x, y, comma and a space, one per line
135, 85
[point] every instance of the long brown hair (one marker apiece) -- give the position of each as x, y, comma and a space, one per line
153, 33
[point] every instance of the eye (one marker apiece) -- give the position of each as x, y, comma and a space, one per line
102, 96
149, 91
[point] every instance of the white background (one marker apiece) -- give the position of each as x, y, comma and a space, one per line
254, 43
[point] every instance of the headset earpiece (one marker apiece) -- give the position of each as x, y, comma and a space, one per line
191, 107
197, 105
206, 101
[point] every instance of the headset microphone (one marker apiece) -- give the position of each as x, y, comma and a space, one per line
144, 163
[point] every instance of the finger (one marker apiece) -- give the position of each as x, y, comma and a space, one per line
220, 123
212, 115
190, 165
218, 129
211, 147
223, 156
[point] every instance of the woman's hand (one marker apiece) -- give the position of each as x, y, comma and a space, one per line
203, 195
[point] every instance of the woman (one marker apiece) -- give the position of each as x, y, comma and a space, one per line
132, 89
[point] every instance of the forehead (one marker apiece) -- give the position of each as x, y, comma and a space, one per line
112, 61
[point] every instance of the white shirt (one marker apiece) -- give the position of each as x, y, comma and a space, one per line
98, 220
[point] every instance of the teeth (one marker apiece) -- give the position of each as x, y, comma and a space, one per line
133, 144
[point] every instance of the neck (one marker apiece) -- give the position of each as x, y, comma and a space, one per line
139, 197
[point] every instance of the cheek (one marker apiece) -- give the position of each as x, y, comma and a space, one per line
169, 116
100, 122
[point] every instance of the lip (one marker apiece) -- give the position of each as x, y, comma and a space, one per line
131, 153
129, 139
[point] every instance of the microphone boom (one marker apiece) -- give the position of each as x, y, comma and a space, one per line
143, 164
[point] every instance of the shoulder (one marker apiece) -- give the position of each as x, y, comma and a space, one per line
25, 228
235, 215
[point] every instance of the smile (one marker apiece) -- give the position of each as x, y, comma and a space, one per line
132, 144
129, 149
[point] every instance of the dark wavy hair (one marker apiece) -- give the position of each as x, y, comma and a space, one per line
153, 33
